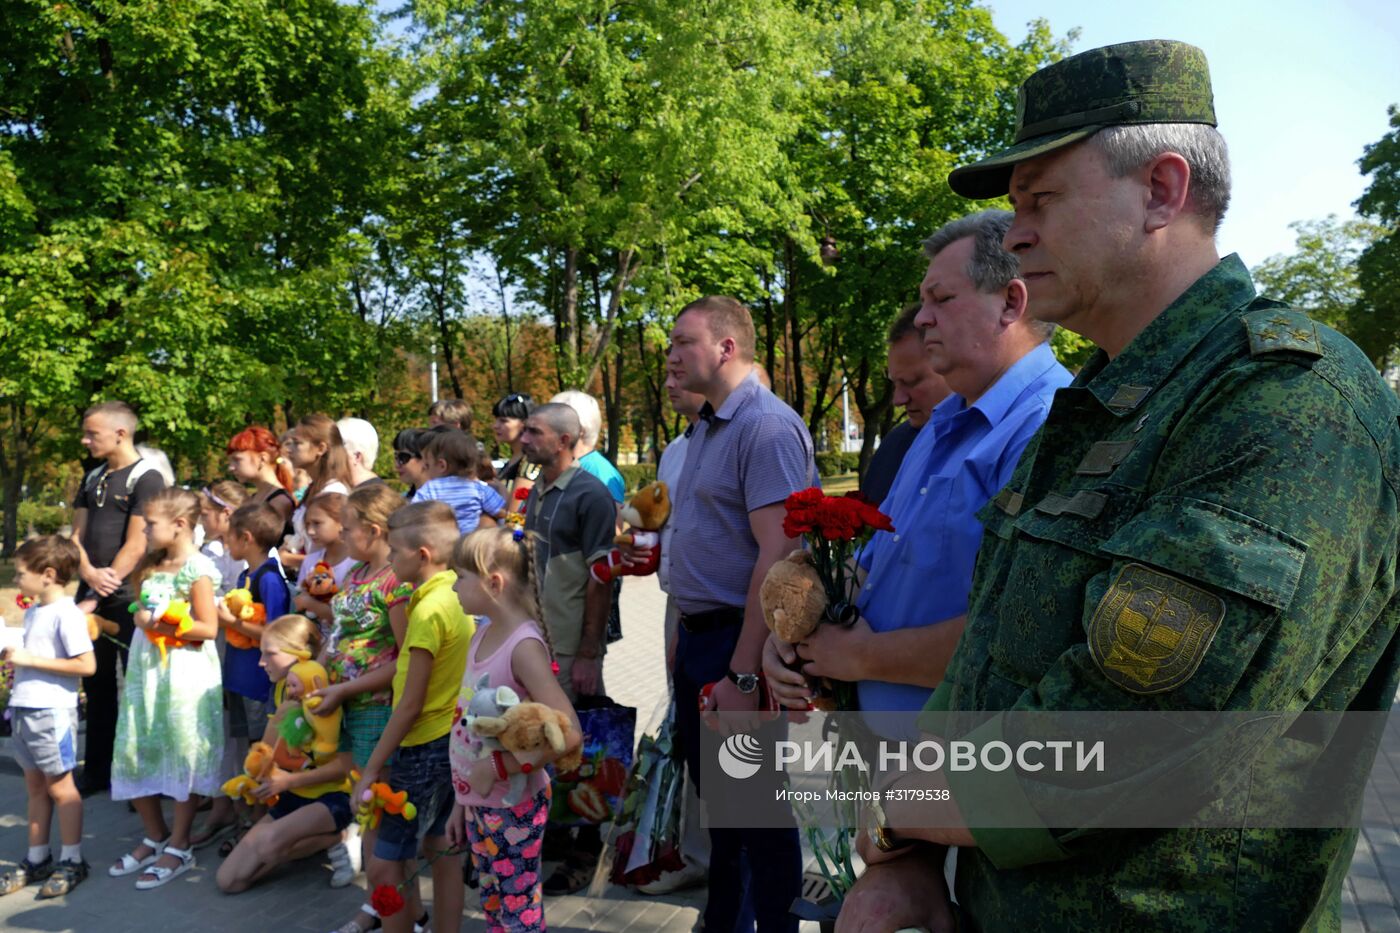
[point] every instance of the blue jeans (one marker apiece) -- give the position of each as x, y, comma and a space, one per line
755, 874
423, 771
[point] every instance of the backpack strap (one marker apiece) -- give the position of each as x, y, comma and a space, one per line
138, 469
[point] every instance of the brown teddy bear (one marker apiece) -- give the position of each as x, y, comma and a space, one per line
646, 513
529, 731
794, 604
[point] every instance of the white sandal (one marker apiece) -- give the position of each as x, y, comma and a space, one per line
354, 926
130, 864
160, 874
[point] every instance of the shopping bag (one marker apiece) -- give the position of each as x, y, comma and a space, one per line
592, 793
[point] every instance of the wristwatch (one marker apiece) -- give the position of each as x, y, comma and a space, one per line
747, 683
880, 833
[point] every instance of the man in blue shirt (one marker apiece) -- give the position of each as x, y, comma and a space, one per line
913, 602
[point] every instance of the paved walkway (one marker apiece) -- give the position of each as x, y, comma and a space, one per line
298, 898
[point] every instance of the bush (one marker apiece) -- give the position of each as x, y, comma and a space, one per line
836, 462
637, 475
44, 519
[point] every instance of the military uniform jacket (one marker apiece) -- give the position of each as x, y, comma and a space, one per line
1242, 461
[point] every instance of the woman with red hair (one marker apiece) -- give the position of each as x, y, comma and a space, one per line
255, 457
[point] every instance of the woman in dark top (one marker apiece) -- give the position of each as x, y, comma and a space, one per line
408, 459
510, 413
255, 458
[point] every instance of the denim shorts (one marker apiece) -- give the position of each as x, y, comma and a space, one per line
338, 802
426, 774
45, 740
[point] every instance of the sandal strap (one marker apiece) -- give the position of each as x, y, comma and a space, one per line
183, 855
152, 844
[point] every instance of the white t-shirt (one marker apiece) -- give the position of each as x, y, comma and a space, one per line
337, 570
229, 569
668, 471
58, 630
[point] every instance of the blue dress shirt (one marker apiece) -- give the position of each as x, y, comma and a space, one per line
921, 573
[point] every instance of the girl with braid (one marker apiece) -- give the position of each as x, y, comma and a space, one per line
496, 582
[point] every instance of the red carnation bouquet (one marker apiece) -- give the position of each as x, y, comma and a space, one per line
835, 528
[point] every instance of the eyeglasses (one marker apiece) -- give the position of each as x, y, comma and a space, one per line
99, 495
402, 456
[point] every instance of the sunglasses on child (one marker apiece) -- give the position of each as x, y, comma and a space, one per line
402, 456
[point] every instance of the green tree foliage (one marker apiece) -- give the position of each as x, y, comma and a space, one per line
1320, 276
1377, 321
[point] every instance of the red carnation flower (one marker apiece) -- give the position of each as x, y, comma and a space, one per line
386, 900
521, 495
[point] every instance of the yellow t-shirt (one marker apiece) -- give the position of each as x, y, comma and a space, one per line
437, 624
315, 790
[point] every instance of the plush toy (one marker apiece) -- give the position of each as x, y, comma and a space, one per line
256, 767
320, 584
794, 602
645, 515
531, 732
240, 604
318, 736
379, 799
174, 613
98, 626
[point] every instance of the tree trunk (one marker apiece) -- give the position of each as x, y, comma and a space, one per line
626, 268
567, 324
505, 319
798, 398
12, 471
821, 404
770, 339
875, 409
615, 410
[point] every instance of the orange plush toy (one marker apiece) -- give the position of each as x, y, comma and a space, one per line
321, 582
381, 799
172, 615
240, 603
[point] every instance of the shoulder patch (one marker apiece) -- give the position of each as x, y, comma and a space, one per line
1273, 330
1151, 630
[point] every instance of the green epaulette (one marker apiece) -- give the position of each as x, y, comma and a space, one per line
1282, 330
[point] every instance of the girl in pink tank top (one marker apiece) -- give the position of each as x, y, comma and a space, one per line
502, 806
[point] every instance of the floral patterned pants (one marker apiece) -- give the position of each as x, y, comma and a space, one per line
505, 846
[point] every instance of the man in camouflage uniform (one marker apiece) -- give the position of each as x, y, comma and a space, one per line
1224, 472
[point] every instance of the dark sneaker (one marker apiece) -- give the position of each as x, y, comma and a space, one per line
571, 877
25, 874
64, 879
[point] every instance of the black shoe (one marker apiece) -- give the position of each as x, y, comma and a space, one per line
571, 877
64, 879
25, 874
558, 844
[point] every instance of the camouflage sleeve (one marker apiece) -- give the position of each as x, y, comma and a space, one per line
1265, 528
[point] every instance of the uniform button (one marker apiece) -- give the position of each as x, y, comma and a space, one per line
896, 537
924, 491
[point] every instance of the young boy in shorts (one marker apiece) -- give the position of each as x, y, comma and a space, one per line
57, 652
414, 744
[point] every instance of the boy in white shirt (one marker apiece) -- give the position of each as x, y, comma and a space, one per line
57, 653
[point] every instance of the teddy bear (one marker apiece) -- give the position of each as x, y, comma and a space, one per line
320, 583
240, 603
98, 626
794, 604
319, 736
531, 732
645, 514
257, 765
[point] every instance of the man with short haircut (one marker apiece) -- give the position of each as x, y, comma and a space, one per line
590, 459
748, 453
110, 534
1208, 522
361, 442
917, 389
981, 340
574, 520
452, 412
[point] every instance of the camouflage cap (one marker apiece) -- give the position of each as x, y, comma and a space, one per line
1153, 81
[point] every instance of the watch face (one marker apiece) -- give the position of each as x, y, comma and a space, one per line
747, 683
